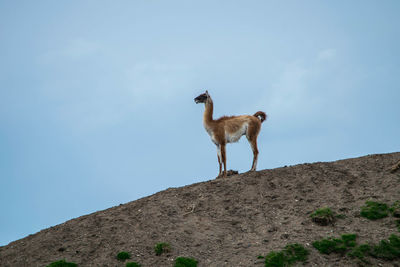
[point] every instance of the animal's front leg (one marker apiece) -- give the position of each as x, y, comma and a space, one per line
219, 160
223, 156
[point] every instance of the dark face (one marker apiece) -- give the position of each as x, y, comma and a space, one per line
201, 98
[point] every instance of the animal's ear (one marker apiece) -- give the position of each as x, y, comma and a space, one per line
207, 93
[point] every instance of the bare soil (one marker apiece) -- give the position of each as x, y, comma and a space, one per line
227, 221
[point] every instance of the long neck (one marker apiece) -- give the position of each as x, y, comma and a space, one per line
208, 112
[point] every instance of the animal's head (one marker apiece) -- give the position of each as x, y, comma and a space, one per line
203, 98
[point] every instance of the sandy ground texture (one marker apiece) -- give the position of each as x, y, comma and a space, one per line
227, 221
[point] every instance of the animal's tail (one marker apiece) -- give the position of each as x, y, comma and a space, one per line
261, 115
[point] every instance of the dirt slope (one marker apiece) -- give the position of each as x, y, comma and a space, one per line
226, 222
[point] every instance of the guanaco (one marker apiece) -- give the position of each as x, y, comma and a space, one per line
230, 129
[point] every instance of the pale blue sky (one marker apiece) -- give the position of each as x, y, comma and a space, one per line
96, 97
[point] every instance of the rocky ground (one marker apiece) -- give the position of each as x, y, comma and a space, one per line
227, 221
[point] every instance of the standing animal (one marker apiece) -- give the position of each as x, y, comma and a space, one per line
229, 129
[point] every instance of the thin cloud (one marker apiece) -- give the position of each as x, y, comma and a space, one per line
72, 50
156, 81
326, 54
307, 93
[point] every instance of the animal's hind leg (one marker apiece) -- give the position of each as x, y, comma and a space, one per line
251, 135
253, 144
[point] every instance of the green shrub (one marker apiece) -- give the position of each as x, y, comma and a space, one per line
132, 264
275, 259
387, 249
296, 252
374, 210
395, 209
123, 255
62, 263
398, 225
323, 216
161, 248
289, 255
360, 252
329, 245
335, 245
185, 262
349, 240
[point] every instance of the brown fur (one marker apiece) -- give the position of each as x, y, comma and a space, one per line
229, 129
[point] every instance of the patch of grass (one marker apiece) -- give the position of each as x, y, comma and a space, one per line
323, 216
275, 259
123, 255
374, 210
289, 255
360, 252
329, 245
398, 225
161, 248
349, 240
395, 209
387, 249
335, 245
132, 264
185, 262
296, 252
62, 263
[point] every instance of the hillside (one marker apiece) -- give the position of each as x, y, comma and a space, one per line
227, 222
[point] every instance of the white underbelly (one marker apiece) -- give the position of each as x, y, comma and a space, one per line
235, 136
